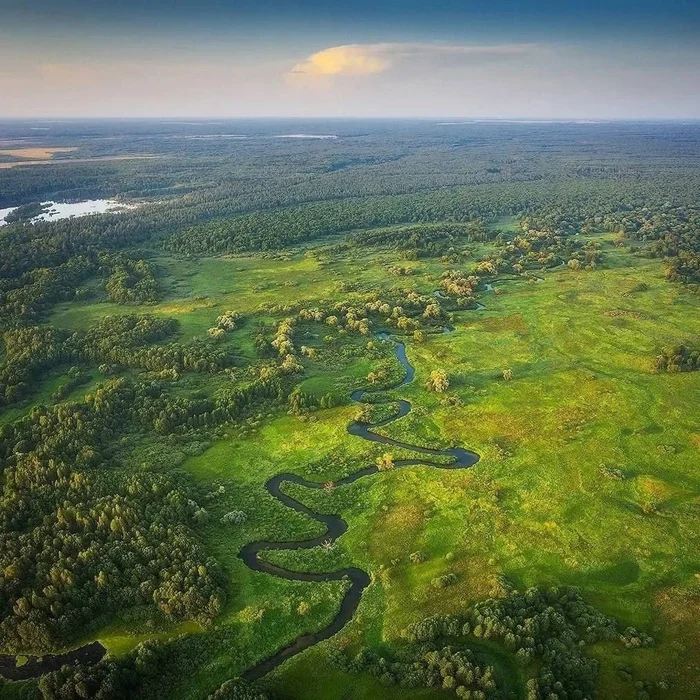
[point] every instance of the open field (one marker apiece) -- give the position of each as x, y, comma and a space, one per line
69, 161
35, 153
583, 396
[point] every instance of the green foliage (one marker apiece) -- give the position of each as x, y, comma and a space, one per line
678, 359
546, 630
24, 212
115, 341
237, 690
438, 381
130, 281
137, 675
97, 517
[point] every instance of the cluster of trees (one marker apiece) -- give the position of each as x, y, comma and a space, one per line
50, 244
679, 358
385, 374
455, 283
237, 689
136, 675
28, 352
424, 240
128, 341
78, 538
301, 402
401, 270
547, 205
24, 212
149, 671
438, 381
539, 248
684, 267
130, 281
404, 310
128, 676
26, 295
545, 630
228, 321
376, 412
454, 669
670, 230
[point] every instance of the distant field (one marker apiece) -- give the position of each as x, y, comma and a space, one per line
35, 153
67, 161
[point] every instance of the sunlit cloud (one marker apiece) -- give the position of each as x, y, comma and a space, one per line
353, 59
368, 59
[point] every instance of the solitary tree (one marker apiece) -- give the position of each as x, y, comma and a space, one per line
385, 462
438, 381
216, 334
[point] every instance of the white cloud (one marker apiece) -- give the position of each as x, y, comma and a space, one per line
368, 59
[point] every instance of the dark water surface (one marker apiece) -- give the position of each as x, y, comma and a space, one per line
39, 665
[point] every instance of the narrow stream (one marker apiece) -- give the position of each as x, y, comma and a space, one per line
335, 525
39, 665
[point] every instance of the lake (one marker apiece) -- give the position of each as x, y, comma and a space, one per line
64, 210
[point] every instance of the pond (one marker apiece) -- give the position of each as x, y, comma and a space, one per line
53, 211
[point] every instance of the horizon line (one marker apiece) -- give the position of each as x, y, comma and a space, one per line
443, 120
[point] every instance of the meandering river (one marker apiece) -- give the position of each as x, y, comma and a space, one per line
335, 527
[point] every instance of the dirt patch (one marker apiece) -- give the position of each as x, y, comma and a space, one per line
624, 313
35, 153
71, 161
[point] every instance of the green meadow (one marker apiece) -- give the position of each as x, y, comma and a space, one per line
580, 402
538, 508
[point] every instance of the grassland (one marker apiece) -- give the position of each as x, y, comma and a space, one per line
537, 510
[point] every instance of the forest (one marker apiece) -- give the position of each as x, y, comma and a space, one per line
407, 412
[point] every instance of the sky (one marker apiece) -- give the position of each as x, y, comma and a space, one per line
502, 59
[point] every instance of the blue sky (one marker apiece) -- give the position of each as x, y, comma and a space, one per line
538, 59
439, 14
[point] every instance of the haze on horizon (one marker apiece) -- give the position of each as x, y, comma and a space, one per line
540, 59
